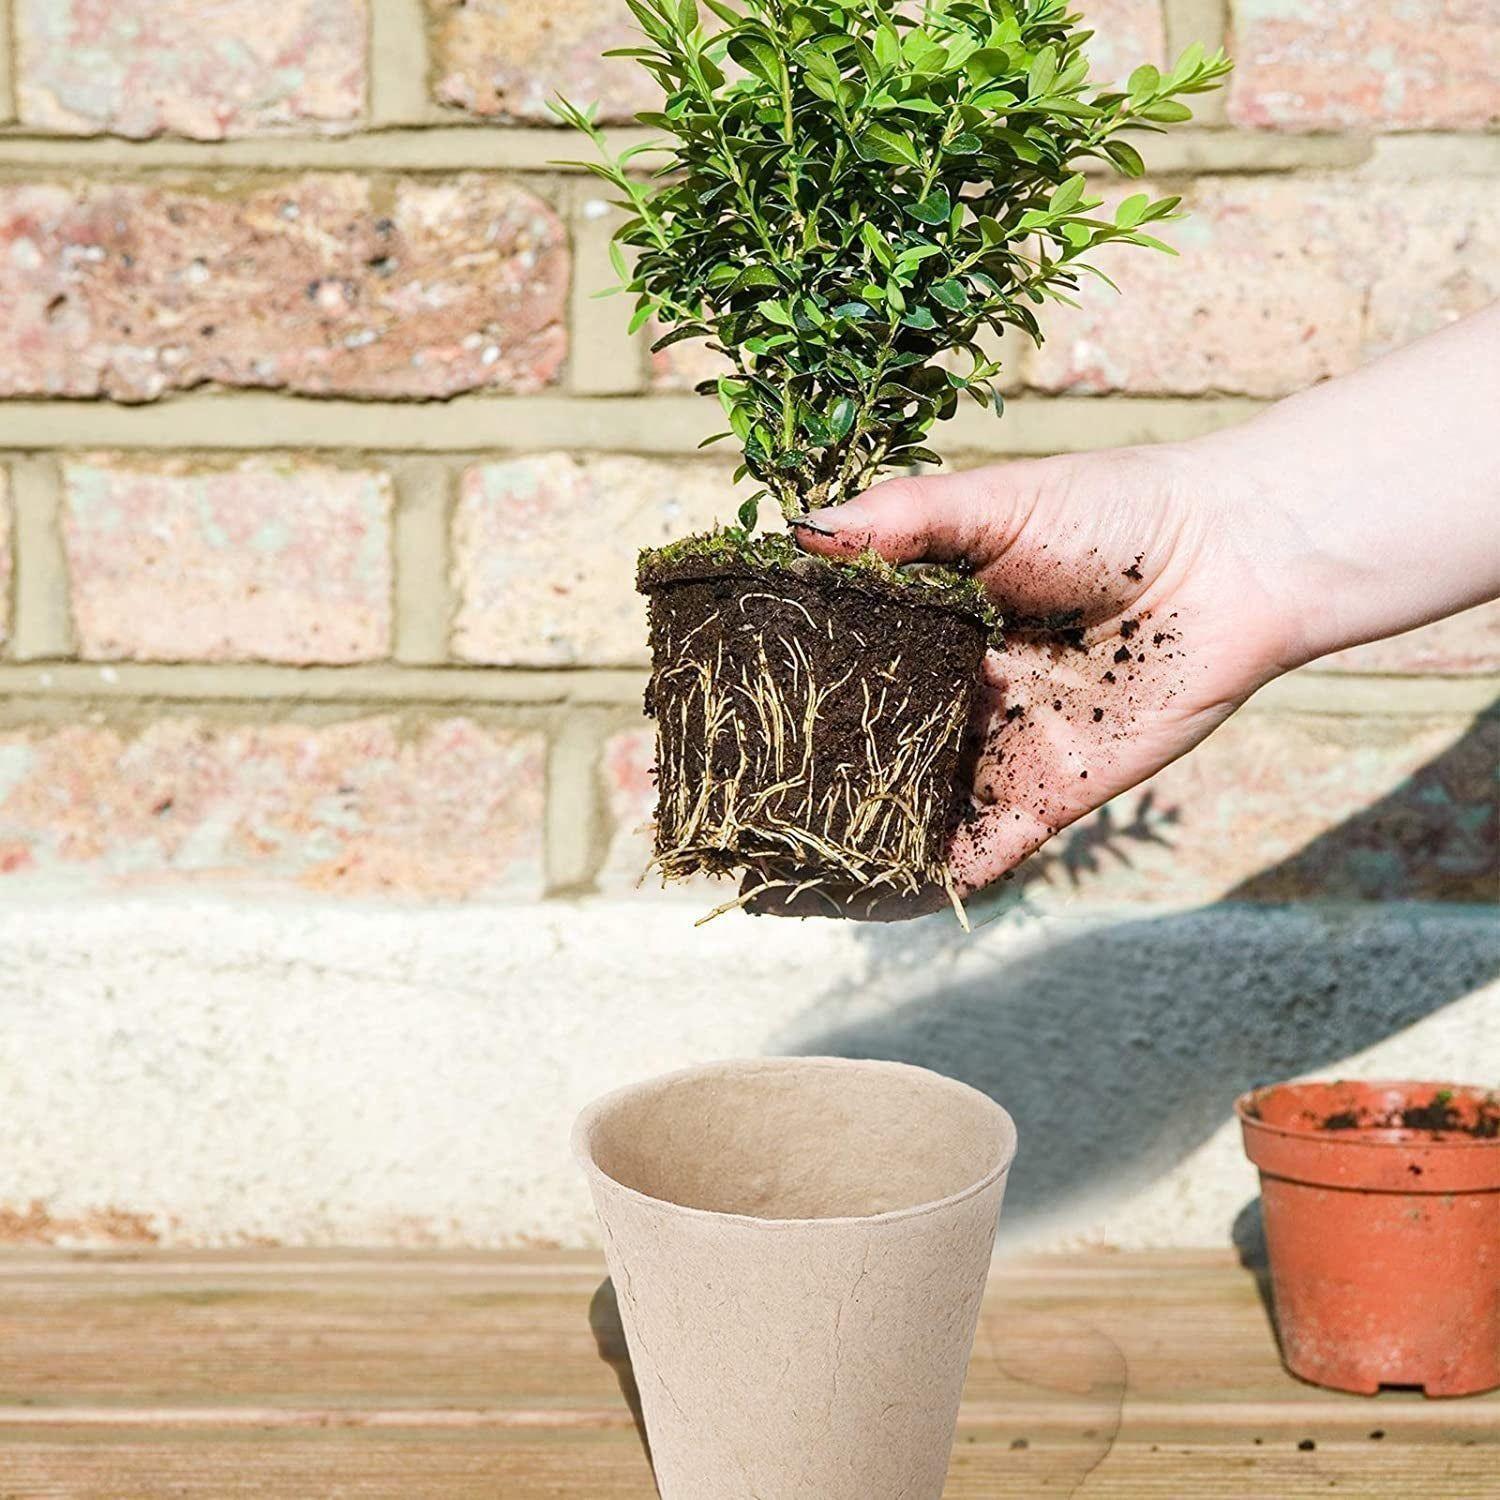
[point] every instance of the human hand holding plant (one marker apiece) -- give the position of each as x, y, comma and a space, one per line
1354, 511
1135, 625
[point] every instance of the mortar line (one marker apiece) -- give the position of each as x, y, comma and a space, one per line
654, 425
1209, 22
257, 682
576, 823
1321, 693
422, 588
43, 626
614, 362
10, 50
400, 65
441, 145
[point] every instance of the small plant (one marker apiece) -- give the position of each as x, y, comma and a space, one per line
854, 192
854, 197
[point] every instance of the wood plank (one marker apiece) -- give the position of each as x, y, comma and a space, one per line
298, 1374
89, 1464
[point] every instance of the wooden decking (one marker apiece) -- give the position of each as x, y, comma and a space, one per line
298, 1376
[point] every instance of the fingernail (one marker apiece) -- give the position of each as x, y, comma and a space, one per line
833, 519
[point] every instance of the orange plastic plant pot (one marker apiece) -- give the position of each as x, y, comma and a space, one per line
1382, 1215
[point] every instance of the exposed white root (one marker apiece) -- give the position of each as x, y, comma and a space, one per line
740, 789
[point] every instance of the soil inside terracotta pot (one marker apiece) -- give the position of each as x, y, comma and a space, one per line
1439, 1117
811, 719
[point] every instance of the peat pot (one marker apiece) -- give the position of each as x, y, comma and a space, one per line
1382, 1217
799, 1247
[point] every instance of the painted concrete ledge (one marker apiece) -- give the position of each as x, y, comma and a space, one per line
201, 1071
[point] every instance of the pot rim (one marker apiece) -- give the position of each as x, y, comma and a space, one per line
593, 1113
1395, 1137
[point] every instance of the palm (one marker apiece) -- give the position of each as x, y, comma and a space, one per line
1171, 637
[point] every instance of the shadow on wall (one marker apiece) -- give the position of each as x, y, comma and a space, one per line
1119, 1050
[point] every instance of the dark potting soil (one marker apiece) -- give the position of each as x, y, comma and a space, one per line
1439, 1115
748, 661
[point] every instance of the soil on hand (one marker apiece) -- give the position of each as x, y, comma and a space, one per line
810, 720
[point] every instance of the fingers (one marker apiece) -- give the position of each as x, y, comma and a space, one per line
941, 518
995, 841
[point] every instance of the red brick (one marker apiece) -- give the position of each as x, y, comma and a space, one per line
1272, 807
153, 67
630, 796
371, 806
545, 549
1127, 33
1283, 807
630, 792
504, 59
1330, 64
325, 284
1281, 282
681, 366
264, 560
1465, 645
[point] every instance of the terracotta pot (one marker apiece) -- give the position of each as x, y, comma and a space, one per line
1383, 1232
799, 1247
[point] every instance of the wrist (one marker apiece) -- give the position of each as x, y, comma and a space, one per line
1265, 554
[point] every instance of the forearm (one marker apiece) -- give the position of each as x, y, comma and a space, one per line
1378, 494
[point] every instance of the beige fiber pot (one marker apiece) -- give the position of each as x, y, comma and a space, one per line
800, 1248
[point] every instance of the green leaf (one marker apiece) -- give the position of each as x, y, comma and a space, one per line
877, 243
1043, 71
1151, 243
754, 277
877, 185
757, 57
989, 63
679, 335
1067, 196
879, 144
916, 254
933, 209
952, 294
1126, 158
750, 513
1167, 112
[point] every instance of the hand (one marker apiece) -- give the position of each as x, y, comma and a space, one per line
1141, 610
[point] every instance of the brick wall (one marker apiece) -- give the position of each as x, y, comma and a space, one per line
233, 291
321, 474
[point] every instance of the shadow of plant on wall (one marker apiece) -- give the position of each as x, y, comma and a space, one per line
1120, 1048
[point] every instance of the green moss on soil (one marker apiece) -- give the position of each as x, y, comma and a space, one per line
931, 583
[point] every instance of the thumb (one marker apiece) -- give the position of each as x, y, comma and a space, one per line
938, 518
